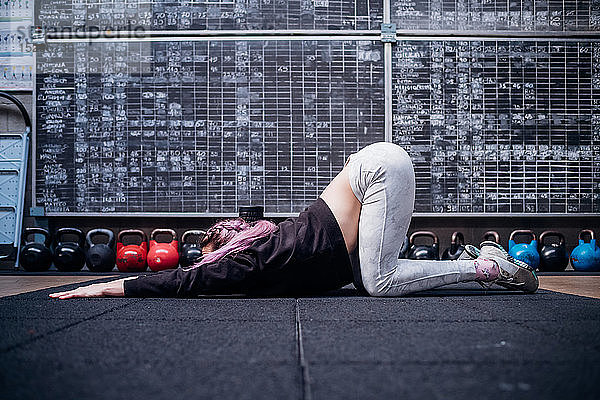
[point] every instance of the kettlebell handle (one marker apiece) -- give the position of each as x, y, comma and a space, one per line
588, 231
197, 232
522, 232
158, 231
492, 233
136, 232
101, 231
41, 231
458, 236
545, 234
423, 233
69, 231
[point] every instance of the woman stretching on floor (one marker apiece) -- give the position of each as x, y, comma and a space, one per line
352, 233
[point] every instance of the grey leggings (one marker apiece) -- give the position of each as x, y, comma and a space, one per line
383, 180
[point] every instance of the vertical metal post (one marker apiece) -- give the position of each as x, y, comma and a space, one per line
387, 59
20, 208
33, 165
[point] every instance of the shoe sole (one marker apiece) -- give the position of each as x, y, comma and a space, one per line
527, 276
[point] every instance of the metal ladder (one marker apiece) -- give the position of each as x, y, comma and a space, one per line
14, 153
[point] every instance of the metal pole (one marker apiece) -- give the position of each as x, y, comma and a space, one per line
214, 34
20, 209
180, 38
387, 59
342, 34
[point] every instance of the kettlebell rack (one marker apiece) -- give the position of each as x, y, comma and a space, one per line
14, 151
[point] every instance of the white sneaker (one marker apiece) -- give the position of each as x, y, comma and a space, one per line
514, 274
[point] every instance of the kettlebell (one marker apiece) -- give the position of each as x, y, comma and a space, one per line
69, 256
492, 236
35, 256
191, 253
163, 255
553, 256
132, 257
404, 248
100, 257
457, 246
586, 256
421, 251
526, 252
250, 213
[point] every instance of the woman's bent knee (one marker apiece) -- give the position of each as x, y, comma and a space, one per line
371, 288
375, 290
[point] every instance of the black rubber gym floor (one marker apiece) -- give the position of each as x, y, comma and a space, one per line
452, 343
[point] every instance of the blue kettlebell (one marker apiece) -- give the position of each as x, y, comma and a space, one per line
526, 252
586, 256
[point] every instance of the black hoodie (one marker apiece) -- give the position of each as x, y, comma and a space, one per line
304, 255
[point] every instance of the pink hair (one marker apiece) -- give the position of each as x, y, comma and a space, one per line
232, 236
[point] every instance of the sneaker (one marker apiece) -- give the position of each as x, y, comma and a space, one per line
514, 274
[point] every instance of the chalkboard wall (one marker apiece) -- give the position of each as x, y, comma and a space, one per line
202, 126
497, 15
211, 15
502, 125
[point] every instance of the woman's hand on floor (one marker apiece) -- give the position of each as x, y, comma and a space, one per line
114, 288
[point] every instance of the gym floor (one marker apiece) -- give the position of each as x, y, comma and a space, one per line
454, 342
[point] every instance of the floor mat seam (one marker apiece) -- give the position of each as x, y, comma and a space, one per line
305, 375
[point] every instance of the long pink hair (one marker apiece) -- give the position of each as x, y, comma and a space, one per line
232, 236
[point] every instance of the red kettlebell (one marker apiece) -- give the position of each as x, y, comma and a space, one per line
132, 257
163, 255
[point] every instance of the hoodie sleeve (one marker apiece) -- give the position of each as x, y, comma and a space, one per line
229, 275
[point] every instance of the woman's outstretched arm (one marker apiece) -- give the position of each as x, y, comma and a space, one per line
112, 289
226, 275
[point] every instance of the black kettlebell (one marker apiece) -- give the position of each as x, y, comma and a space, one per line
457, 246
553, 256
421, 251
404, 248
35, 256
69, 256
191, 253
251, 213
492, 236
100, 257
